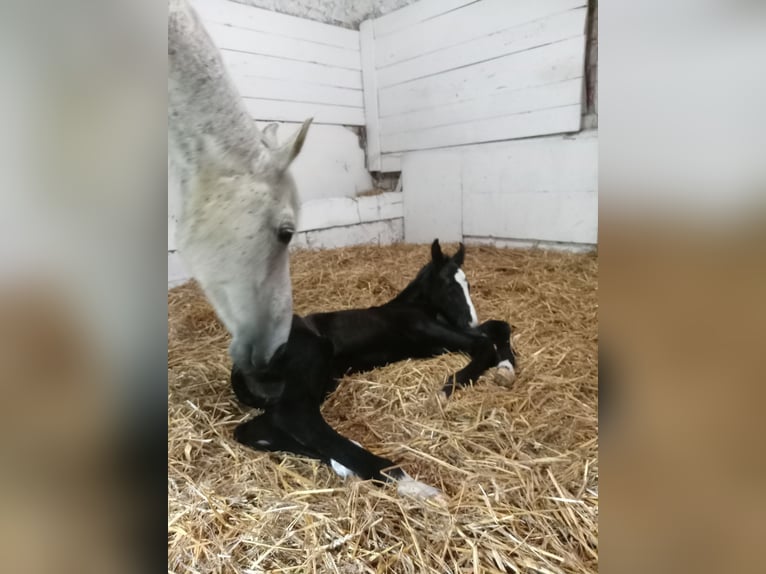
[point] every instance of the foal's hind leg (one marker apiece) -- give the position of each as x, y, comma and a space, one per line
305, 424
261, 434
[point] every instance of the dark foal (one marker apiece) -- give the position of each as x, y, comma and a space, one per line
433, 315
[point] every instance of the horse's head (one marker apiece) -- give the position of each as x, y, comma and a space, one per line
237, 233
265, 313
447, 288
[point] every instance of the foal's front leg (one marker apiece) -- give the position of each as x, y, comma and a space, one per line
500, 334
479, 346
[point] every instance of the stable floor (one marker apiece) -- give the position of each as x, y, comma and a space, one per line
519, 464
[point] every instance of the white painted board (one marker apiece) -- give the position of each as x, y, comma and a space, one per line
268, 44
555, 62
415, 13
276, 110
527, 124
508, 41
431, 184
241, 15
345, 211
243, 64
472, 21
539, 189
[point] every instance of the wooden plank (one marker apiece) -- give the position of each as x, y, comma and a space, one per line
390, 162
413, 14
536, 189
242, 64
344, 211
432, 196
369, 80
468, 23
275, 110
375, 233
544, 65
297, 91
563, 217
330, 212
565, 246
254, 42
560, 164
564, 119
497, 104
380, 207
235, 14
509, 41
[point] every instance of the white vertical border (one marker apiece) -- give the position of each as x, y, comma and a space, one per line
370, 88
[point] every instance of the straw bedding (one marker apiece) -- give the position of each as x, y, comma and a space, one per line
519, 464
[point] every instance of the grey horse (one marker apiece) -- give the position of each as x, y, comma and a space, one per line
238, 200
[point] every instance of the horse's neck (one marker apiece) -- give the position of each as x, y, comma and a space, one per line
207, 116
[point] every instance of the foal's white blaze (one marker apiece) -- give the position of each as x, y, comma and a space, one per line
461, 280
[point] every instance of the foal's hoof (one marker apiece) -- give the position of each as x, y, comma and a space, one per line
505, 374
408, 486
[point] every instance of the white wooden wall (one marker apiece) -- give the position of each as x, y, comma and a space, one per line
442, 73
539, 190
463, 96
288, 68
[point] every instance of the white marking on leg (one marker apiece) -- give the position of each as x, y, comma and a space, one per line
506, 364
461, 280
341, 470
262, 442
505, 374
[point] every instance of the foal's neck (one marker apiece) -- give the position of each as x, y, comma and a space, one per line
414, 293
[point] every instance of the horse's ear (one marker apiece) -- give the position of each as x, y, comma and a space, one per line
459, 257
284, 155
436, 253
270, 135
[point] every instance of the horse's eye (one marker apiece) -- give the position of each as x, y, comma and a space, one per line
285, 234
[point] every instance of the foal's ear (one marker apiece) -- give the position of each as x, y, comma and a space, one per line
459, 257
284, 155
436, 253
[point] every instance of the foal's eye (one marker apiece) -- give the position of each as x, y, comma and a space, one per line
285, 234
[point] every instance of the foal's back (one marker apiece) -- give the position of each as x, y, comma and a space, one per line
363, 339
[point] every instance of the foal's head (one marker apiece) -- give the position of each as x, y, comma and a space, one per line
447, 287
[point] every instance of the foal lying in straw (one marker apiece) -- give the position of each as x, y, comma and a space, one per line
433, 315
